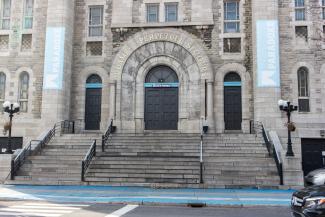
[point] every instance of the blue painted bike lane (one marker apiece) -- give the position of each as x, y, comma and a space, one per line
140, 195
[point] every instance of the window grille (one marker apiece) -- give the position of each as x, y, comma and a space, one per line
300, 10
2, 88
231, 17
96, 21
5, 14
26, 42
152, 13
171, 12
28, 14
94, 48
301, 35
231, 45
303, 90
23, 91
4, 42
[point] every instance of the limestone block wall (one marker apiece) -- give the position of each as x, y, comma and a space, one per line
15, 61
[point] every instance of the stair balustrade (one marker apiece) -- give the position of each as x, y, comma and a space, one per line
87, 160
258, 127
35, 146
111, 129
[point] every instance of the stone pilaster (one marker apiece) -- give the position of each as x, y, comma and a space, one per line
58, 59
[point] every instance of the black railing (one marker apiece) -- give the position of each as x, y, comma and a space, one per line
86, 162
111, 129
258, 126
35, 146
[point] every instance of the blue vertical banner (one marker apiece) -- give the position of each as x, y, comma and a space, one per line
268, 62
54, 58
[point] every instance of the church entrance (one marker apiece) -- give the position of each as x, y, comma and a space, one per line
161, 99
232, 101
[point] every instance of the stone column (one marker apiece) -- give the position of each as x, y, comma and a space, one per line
266, 65
210, 105
58, 59
112, 103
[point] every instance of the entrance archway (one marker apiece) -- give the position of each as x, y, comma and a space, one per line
161, 99
93, 102
232, 101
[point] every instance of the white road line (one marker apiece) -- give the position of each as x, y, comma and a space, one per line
35, 210
40, 209
29, 214
45, 207
56, 204
122, 211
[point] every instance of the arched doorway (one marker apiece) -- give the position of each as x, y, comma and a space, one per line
232, 101
161, 99
93, 102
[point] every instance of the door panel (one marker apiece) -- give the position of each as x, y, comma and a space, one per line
232, 108
93, 108
161, 108
312, 154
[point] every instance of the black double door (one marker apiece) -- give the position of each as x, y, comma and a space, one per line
161, 108
93, 108
232, 107
313, 154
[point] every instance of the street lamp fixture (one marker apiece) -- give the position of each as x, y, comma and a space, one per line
287, 107
11, 109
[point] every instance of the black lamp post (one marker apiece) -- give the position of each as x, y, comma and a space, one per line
11, 109
288, 108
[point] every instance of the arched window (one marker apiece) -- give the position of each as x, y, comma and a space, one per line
162, 74
2, 87
23, 91
232, 77
94, 79
303, 90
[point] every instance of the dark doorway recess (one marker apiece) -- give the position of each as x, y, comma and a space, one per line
232, 101
93, 102
161, 99
313, 154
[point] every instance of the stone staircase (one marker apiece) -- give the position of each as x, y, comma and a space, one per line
172, 160
59, 163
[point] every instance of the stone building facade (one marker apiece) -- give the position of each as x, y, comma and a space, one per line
274, 50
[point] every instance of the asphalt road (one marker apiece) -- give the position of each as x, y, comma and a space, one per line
46, 209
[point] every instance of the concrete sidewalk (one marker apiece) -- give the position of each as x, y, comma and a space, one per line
139, 195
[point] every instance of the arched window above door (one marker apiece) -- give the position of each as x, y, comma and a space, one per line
162, 74
232, 79
94, 81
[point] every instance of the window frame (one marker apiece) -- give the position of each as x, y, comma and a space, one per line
323, 9
20, 98
228, 21
2, 17
303, 92
28, 16
157, 5
299, 7
167, 4
2, 88
90, 18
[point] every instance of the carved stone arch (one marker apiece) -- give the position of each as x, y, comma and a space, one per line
246, 95
174, 48
179, 37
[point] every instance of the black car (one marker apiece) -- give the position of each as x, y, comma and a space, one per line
309, 202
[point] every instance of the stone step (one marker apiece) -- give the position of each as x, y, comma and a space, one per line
61, 175
143, 175
190, 166
141, 180
46, 178
47, 164
43, 182
50, 170
178, 170
57, 157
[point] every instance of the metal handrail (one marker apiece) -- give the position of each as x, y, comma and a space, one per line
111, 129
86, 161
28, 150
271, 149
